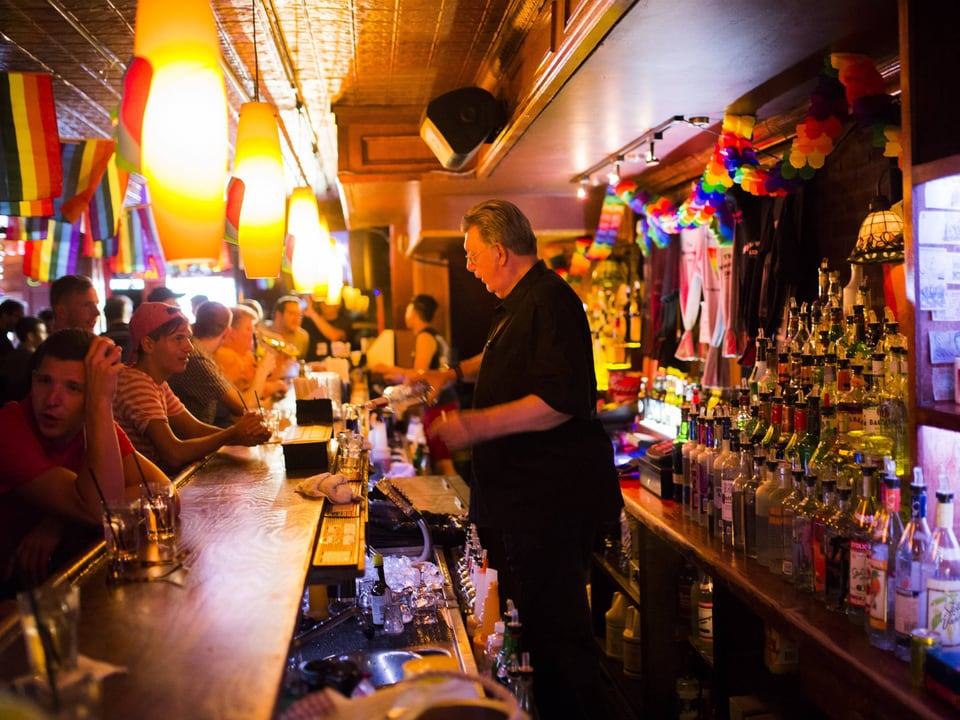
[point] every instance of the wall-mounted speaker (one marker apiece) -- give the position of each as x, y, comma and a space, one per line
455, 124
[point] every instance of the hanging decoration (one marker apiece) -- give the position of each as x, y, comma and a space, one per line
54, 256
310, 261
30, 170
259, 165
181, 125
849, 87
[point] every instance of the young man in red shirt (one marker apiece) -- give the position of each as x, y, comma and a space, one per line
58, 444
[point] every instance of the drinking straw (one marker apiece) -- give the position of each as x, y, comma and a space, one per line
50, 653
242, 401
259, 406
106, 510
143, 479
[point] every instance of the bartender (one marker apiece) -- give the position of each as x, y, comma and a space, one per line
544, 481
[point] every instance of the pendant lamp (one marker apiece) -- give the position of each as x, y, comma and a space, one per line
309, 235
259, 165
184, 130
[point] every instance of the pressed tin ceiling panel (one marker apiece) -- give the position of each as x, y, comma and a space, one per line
663, 58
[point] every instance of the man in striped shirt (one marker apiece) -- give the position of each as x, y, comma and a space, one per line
147, 409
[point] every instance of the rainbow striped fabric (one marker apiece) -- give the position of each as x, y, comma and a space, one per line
57, 255
30, 168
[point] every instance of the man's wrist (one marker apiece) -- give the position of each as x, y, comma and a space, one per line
457, 371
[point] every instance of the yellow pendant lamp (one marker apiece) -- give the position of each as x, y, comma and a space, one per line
184, 134
309, 235
259, 165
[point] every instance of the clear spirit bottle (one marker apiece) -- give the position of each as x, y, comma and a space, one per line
821, 518
750, 508
943, 583
887, 531
910, 603
804, 574
837, 536
861, 542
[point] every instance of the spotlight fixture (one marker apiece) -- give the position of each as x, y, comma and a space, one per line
700, 121
614, 176
651, 157
582, 190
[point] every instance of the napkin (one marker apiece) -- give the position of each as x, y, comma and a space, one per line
333, 487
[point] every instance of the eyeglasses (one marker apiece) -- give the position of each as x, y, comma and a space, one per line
472, 256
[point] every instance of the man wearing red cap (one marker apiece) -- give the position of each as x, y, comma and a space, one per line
150, 413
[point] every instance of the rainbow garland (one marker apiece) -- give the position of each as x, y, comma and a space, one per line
849, 87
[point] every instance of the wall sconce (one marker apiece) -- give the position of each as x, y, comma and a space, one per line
880, 239
183, 139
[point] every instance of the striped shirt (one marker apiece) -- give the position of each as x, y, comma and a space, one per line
201, 385
138, 402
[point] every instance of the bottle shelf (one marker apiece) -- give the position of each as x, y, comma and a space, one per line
944, 415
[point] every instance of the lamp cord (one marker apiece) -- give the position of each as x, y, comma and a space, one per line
256, 57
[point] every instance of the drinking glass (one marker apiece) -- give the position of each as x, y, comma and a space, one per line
122, 521
160, 510
48, 617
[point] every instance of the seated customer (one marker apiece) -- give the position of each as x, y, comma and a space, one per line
202, 386
158, 424
251, 375
57, 445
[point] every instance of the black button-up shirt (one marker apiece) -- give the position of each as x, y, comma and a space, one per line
540, 344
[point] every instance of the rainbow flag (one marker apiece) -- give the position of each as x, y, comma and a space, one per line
105, 209
138, 243
84, 163
26, 228
235, 188
28, 208
30, 166
46, 260
136, 89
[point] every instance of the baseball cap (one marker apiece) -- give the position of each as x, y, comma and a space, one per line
162, 294
147, 318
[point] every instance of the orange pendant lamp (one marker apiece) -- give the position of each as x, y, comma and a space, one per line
262, 214
184, 137
309, 236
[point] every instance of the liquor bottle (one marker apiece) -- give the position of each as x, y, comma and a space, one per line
749, 509
705, 614
511, 648
723, 457
881, 595
763, 420
861, 541
804, 572
850, 407
729, 472
826, 509
764, 494
943, 583
802, 442
740, 483
823, 456
782, 479
677, 455
759, 365
379, 592
910, 603
893, 411
829, 395
796, 495
705, 475
873, 396
743, 418
837, 534
771, 438
687, 452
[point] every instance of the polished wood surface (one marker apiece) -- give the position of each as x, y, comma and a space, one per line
216, 646
846, 676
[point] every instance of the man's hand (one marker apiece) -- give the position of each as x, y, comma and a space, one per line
250, 430
453, 427
103, 367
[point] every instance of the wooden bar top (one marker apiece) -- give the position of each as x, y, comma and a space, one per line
216, 646
830, 645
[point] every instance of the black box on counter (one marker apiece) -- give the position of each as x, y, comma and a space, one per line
305, 444
315, 412
942, 674
656, 470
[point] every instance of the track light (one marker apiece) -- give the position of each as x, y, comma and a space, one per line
651, 157
614, 176
582, 190
700, 121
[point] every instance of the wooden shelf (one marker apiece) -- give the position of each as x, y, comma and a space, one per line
876, 682
944, 415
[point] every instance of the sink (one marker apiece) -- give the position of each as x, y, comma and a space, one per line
381, 667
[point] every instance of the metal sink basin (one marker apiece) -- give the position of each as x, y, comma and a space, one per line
384, 667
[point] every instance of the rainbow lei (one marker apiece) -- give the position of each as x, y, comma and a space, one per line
849, 87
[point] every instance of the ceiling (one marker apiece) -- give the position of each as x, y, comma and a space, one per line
581, 81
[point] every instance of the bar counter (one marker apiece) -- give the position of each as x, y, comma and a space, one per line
216, 646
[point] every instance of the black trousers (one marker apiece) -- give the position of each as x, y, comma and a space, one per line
546, 573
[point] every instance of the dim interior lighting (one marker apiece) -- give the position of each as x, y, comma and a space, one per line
259, 164
183, 141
